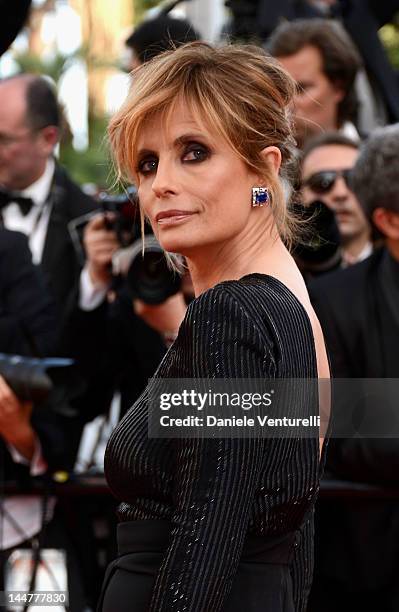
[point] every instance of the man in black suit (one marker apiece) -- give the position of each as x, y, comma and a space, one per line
28, 327
27, 324
358, 310
117, 342
34, 441
27, 314
38, 198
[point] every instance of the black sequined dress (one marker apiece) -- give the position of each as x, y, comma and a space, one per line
218, 525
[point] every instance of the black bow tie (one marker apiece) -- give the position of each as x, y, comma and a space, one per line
6, 197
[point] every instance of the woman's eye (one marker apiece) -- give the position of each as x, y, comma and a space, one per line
146, 166
195, 154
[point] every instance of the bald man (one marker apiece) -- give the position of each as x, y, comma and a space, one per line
36, 196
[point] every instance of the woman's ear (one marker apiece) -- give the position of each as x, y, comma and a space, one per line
272, 156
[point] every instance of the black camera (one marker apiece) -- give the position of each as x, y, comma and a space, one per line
125, 215
320, 251
147, 277
145, 270
33, 379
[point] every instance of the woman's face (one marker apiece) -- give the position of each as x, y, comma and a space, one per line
192, 186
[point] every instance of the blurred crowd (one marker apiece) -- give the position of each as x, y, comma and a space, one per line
74, 286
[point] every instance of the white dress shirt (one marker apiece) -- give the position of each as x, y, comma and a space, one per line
35, 223
90, 295
349, 130
350, 260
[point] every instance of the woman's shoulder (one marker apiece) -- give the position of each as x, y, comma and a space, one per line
218, 337
228, 303
257, 297
223, 304
242, 328
256, 304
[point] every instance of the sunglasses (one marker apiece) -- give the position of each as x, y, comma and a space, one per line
322, 182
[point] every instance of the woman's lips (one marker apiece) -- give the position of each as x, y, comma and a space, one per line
171, 217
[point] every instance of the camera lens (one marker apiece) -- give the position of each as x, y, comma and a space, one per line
149, 278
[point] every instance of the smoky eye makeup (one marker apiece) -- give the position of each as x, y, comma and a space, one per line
188, 148
147, 164
195, 152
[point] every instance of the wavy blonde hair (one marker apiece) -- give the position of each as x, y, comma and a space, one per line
238, 91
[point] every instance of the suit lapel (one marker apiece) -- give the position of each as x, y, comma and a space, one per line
56, 236
388, 319
376, 317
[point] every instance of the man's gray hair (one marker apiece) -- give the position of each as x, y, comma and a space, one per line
375, 177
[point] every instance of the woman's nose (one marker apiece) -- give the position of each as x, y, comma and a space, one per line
164, 182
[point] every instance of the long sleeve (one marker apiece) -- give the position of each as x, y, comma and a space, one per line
213, 493
215, 479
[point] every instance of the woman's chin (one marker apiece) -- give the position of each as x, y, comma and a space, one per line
175, 246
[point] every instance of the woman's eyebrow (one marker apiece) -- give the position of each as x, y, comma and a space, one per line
178, 142
190, 137
144, 152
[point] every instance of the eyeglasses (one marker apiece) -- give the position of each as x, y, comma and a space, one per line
322, 182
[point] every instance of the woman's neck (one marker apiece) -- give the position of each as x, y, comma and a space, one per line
269, 257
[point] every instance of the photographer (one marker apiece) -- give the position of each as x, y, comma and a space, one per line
27, 328
36, 438
101, 244
326, 163
37, 198
118, 339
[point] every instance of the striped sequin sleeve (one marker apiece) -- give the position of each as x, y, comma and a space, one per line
215, 479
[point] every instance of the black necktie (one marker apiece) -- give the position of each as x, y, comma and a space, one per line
25, 204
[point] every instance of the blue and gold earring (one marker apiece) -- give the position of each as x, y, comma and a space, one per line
260, 196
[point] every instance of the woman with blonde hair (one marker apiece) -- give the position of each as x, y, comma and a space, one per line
219, 524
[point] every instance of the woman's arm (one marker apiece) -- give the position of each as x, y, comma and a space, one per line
215, 479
